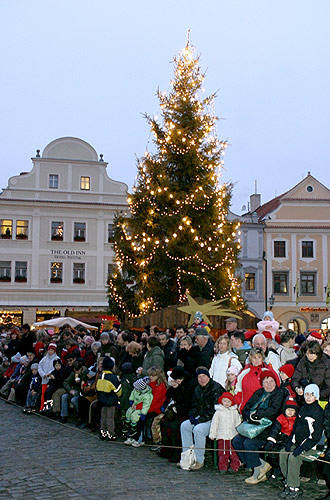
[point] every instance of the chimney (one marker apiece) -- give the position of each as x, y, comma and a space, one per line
255, 199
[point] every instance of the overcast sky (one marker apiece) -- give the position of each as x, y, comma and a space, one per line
90, 68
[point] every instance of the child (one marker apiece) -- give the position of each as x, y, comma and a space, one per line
140, 400
33, 392
108, 390
268, 324
286, 372
306, 433
232, 372
279, 434
45, 367
55, 381
223, 428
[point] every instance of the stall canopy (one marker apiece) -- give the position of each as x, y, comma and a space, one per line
58, 322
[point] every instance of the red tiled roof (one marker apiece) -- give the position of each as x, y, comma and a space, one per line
270, 206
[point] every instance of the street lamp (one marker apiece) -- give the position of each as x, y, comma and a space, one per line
271, 301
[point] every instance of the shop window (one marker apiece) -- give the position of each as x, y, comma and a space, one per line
56, 272
279, 249
250, 281
57, 231
308, 283
22, 227
78, 273
85, 183
280, 283
110, 233
6, 229
20, 271
53, 181
79, 231
307, 249
5, 270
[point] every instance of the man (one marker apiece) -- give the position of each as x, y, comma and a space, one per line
154, 330
286, 350
231, 326
169, 348
272, 358
27, 340
188, 355
123, 339
205, 344
240, 347
179, 333
197, 427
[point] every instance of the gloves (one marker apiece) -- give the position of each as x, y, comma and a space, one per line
269, 446
193, 420
297, 451
130, 403
162, 409
142, 417
288, 446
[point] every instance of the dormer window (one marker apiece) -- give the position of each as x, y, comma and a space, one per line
85, 183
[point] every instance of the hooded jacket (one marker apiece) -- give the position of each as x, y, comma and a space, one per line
108, 388
224, 422
308, 426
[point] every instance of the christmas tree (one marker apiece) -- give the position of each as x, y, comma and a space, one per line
177, 239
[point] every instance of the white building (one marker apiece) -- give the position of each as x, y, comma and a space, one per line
56, 227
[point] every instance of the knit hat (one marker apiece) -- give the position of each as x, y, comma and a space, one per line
270, 314
290, 402
16, 357
126, 368
178, 372
249, 334
88, 339
227, 395
108, 363
202, 370
312, 389
268, 373
267, 334
105, 335
96, 345
141, 383
288, 369
52, 345
198, 315
34, 366
201, 332
116, 324
232, 369
316, 335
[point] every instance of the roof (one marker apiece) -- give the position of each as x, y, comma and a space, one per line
270, 206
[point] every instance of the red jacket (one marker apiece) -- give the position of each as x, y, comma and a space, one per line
248, 382
159, 396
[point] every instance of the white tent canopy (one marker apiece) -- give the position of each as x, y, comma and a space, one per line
58, 322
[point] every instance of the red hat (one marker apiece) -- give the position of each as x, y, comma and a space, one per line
227, 395
268, 373
267, 334
249, 334
287, 369
52, 345
316, 335
290, 402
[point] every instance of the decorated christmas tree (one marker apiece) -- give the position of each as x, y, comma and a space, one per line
177, 238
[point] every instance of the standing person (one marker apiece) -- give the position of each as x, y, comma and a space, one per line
108, 390
170, 350
27, 339
240, 346
197, 427
180, 332
231, 326
223, 359
223, 428
33, 392
45, 368
205, 344
153, 357
306, 433
188, 355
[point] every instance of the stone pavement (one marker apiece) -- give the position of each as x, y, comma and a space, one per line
44, 460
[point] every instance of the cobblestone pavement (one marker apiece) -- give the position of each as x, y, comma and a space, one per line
44, 460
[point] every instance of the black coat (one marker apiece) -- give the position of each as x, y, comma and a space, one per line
206, 354
182, 396
190, 359
308, 426
170, 355
204, 399
317, 373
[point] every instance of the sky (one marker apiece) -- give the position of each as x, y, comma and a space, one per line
91, 68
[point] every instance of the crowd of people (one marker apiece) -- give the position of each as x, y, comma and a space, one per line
261, 395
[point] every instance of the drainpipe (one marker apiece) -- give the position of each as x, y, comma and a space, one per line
266, 276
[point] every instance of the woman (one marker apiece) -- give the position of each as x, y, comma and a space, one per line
188, 354
12, 347
248, 381
134, 350
313, 368
266, 402
223, 359
153, 357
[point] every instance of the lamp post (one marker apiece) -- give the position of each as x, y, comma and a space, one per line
271, 301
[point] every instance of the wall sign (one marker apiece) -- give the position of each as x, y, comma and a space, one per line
314, 309
67, 254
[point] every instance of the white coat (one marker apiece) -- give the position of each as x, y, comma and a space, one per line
219, 366
224, 422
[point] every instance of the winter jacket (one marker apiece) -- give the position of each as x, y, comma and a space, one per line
35, 383
224, 422
308, 426
268, 326
142, 399
159, 396
317, 373
71, 384
46, 365
127, 387
273, 360
57, 381
154, 357
190, 359
286, 354
206, 354
204, 399
26, 343
170, 355
181, 397
108, 389
281, 430
219, 366
243, 352
248, 382
110, 348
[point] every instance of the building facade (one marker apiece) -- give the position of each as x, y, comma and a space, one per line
55, 235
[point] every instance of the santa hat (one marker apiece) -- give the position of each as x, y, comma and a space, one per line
227, 395
267, 334
52, 345
315, 335
249, 334
287, 369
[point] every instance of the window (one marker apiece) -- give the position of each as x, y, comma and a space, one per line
6, 229
308, 283
5, 270
250, 281
56, 272
280, 282
79, 232
78, 273
111, 268
22, 227
279, 249
307, 250
110, 232
57, 231
85, 183
21, 271
53, 181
